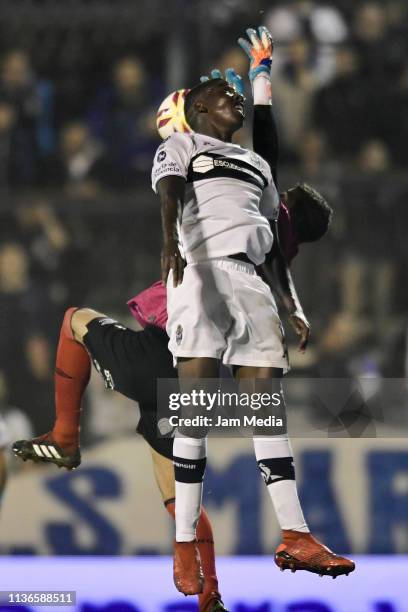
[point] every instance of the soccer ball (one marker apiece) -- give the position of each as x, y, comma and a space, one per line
170, 116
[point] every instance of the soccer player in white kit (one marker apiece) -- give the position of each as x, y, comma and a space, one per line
219, 211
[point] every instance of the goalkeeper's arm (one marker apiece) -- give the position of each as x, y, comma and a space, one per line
259, 49
265, 137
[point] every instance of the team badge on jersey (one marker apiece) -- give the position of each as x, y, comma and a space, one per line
256, 160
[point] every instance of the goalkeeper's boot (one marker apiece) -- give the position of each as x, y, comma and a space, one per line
45, 449
301, 551
187, 570
212, 604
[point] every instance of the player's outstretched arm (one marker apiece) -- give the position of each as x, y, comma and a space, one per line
171, 191
276, 273
265, 138
259, 49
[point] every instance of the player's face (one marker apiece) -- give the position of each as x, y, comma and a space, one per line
225, 105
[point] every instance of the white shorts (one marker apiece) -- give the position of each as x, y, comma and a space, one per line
224, 310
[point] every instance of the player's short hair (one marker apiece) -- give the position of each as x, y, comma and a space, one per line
192, 97
311, 214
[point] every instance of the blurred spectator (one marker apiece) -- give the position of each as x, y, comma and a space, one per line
374, 157
38, 355
38, 400
26, 318
395, 358
396, 118
345, 333
9, 161
81, 167
293, 91
55, 251
324, 22
312, 155
31, 101
123, 115
17, 425
371, 35
382, 49
341, 109
368, 278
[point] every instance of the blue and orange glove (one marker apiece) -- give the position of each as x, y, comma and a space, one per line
259, 49
233, 79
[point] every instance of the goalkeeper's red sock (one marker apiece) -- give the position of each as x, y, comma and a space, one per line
204, 535
72, 372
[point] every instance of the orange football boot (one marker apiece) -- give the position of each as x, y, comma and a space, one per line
301, 551
212, 604
187, 570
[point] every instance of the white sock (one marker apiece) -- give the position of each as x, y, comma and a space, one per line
281, 487
188, 494
287, 506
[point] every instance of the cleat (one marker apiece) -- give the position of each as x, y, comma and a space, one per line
301, 551
187, 570
44, 449
214, 604
218, 606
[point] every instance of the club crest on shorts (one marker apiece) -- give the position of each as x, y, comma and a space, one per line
179, 334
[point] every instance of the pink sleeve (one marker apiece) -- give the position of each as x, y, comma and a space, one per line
150, 306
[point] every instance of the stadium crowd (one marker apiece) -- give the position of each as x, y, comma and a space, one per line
79, 224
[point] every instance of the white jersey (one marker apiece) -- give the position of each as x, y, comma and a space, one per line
230, 195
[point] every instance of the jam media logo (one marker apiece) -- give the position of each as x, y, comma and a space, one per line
161, 156
179, 334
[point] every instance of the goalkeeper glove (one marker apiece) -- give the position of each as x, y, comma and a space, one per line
233, 79
259, 51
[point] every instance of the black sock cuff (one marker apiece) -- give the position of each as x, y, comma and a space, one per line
189, 470
277, 469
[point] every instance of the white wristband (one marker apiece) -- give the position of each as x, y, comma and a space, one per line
262, 89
